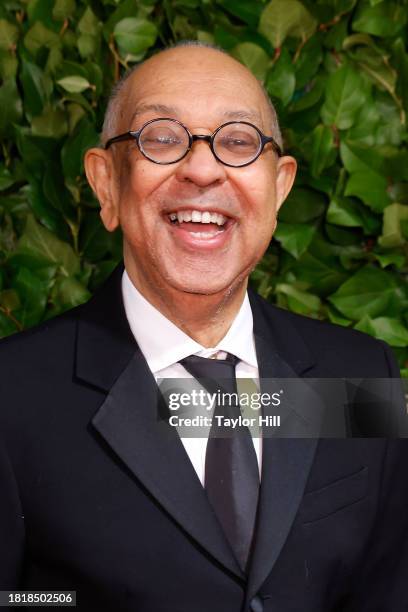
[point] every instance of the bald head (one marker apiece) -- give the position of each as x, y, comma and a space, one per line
194, 65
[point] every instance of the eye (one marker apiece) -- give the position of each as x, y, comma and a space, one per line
237, 140
161, 138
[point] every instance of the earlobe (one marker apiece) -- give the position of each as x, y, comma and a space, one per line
99, 172
285, 176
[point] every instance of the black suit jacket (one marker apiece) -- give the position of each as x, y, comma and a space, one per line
95, 497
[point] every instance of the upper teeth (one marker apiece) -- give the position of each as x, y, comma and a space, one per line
198, 217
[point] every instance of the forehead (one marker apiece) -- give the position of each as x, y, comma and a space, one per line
200, 86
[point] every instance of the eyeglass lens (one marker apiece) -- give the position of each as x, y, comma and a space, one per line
237, 144
166, 141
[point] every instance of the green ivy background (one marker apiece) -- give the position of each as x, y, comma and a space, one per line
337, 70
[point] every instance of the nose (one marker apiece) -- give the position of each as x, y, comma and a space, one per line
200, 166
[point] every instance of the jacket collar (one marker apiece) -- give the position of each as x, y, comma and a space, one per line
280, 348
105, 343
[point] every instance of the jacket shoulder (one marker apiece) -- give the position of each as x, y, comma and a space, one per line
51, 331
343, 349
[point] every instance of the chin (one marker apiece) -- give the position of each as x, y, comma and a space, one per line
199, 285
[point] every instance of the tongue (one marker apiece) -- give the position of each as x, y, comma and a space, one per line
191, 226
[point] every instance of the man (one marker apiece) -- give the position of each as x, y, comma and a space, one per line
99, 497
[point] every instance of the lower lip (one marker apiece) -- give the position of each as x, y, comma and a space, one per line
190, 239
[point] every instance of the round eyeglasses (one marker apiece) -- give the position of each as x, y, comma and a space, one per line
167, 141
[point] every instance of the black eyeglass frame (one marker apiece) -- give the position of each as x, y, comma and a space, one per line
135, 135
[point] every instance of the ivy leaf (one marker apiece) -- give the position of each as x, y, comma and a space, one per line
9, 299
6, 179
308, 62
383, 19
248, 12
282, 18
376, 66
253, 57
344, 97
343, 6
63, 9
74, 83
43, 244
40, 207
308, 97
401, 66
281, 79
33, 294
294, 238
369, 291
83, 137
394, 215
389, 329
342, 211
51, 124
299, 301
87, 45
41, 11
11, 107
390, 259
134, 36
370, 187
336, 318
364, 130
69, 68
39, 36
37, 88
8, 34
322, 149
7, 325
360, 158
55, 190
391, 128
68, 293
302, 205
8, 65
89, 23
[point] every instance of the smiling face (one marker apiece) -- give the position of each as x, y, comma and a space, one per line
195, 226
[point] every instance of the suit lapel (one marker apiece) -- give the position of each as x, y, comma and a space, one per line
281, 353
109, 358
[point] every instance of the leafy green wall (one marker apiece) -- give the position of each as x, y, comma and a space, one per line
337, 71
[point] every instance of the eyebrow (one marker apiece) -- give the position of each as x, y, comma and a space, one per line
171, 111
162, 109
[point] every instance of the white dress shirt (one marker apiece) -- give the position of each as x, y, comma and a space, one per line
163, 345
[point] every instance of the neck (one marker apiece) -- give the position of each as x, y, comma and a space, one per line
205, 318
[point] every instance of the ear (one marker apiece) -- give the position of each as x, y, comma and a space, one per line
100, 174
285, 176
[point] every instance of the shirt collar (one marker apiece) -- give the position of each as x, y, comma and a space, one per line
164, 344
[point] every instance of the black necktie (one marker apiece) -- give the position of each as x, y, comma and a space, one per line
231, 466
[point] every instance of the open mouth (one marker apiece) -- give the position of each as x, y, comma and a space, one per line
203, 224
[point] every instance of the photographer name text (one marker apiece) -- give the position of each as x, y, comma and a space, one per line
225, 422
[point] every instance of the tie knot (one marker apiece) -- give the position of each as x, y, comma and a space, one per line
205, 366
212, 371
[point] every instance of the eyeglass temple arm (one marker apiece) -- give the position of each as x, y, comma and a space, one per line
120, 138
275, 146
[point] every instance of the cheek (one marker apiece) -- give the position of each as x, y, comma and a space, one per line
139, 200
140, 181
258, 194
